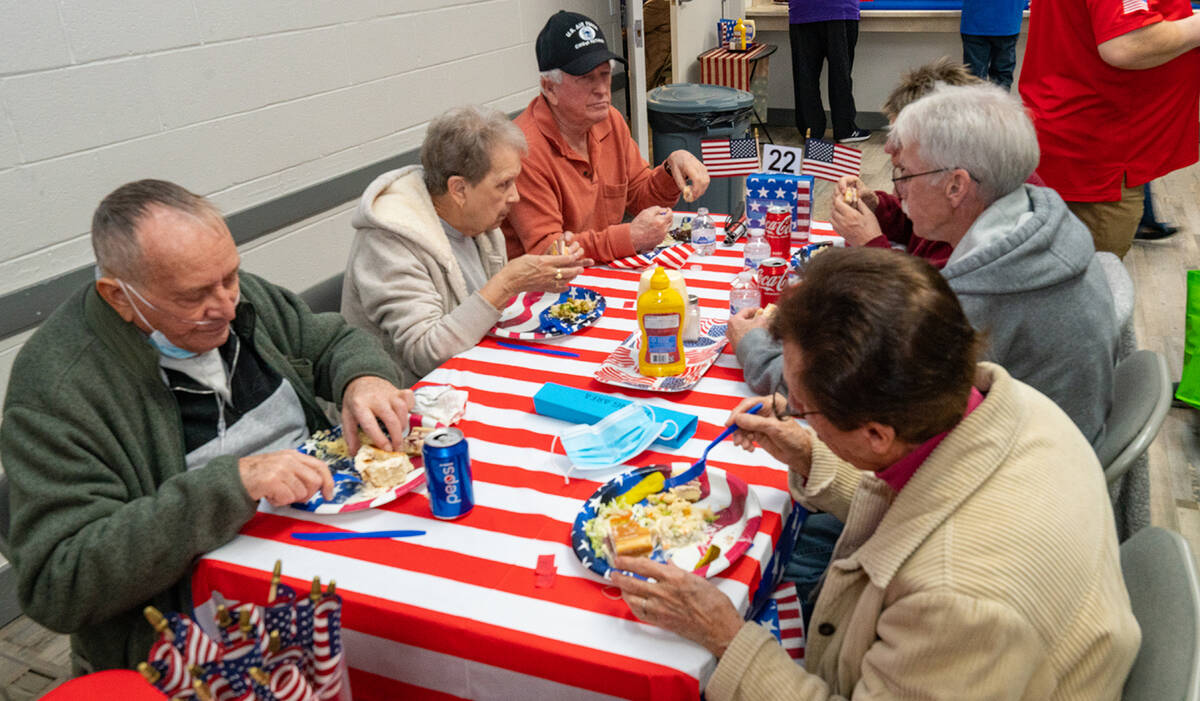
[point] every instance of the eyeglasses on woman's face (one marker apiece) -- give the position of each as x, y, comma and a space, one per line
781, 405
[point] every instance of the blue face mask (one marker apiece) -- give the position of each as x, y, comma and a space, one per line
157, 338
168, 349
613, 440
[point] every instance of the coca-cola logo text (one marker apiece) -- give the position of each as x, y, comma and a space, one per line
771, 281
781, 226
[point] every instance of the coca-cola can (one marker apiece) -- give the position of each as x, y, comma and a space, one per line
778, 225
772, 277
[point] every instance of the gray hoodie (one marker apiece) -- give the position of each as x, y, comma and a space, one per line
403, 282
1042, 299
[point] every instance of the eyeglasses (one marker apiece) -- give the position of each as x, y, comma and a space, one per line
897, 178
783, 409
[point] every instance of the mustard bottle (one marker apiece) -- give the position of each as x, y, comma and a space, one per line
660, 313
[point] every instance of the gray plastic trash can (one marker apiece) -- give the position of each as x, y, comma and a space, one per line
682, 114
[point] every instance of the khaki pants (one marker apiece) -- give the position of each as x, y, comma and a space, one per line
1112, 224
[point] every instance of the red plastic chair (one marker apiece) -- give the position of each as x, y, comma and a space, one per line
110, 685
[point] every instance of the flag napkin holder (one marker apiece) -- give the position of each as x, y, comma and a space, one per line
765, 189
287, 650
581, 406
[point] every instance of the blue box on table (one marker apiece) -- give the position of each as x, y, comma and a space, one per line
764, 189
583, 407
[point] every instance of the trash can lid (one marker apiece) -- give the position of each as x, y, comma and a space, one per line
688, 98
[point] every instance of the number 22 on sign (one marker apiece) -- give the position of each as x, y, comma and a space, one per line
782, 159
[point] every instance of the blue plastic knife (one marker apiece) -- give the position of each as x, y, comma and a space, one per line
352, 536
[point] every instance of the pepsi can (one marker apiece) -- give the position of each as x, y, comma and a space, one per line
448, 473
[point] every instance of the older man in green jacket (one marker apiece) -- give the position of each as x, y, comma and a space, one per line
150, 414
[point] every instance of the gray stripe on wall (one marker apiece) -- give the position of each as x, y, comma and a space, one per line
29, 306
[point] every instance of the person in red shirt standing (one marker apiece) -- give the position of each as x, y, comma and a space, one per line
1114, 88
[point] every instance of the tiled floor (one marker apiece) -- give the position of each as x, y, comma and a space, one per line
34, 660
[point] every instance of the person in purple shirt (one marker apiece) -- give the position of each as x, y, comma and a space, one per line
820, 31
989, 36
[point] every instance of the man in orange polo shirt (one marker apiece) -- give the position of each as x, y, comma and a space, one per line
1114, 88
583, 171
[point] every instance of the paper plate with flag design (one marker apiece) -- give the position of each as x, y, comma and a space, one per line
350, 493
735, 508
536, 315
620, 368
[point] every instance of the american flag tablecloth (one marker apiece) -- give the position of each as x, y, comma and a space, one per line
455, 613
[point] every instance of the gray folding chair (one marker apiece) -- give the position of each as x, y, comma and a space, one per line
5, 511
325, 296
1163, 589
1121, 286
1141, 398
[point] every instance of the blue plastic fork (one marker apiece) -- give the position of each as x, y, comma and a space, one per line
697, 467
650, 485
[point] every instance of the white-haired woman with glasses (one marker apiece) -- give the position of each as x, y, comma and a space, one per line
428, 272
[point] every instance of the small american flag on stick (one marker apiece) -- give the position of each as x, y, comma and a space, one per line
830, 161
726, 158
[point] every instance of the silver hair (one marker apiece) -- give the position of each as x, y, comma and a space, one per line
460, 142
980, 128
555, 75
116, 220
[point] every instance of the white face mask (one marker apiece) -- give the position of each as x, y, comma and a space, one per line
613, 440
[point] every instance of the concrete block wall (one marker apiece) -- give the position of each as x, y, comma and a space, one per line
240, 101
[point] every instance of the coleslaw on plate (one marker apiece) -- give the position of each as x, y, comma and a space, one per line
674, 520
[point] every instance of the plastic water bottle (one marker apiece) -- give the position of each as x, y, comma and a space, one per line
704, 233
744, 293
756, 249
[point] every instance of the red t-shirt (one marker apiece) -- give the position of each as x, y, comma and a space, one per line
1097, 123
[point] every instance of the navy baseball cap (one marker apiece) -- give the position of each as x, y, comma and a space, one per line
573, 43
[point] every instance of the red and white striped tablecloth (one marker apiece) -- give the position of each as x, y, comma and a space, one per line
454, 613
720, 66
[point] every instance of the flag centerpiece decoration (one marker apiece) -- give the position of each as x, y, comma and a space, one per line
766, 189
288, 650
830, 161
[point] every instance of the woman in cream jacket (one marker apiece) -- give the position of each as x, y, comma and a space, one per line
979, 558
428, 273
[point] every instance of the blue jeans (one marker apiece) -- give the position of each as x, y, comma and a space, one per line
991, 58
810, 558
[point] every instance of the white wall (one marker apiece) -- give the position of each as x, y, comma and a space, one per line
694, 31
241, 101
